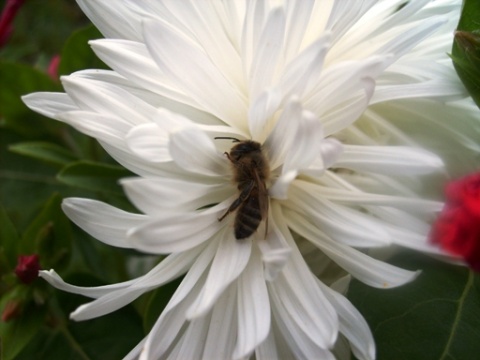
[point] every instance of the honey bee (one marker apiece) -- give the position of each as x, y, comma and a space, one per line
251, 171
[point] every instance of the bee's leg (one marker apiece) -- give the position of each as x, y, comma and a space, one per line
238, 201
229, 157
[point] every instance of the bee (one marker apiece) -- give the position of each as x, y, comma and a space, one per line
251, 171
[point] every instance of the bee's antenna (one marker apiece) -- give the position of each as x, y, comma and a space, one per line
226, 138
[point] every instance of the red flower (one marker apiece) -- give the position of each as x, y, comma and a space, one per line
6, 19
457, 229
466, 192
53, 67
27, 268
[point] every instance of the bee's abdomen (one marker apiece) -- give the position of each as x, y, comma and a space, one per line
248, 218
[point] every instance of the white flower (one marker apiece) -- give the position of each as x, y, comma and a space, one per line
344, 96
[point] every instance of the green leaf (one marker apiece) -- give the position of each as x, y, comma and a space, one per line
49, 235
44, 151
9, 241
17, 333
437, 316
94, 176
19, 80
466, 48
77, 54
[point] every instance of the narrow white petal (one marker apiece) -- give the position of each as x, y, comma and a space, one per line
174, 232
191, 343
132, 60
253, 308
174, 53
104, 222
93, 292
222, 331
303, 73
267, 53
150, 142
168, 325
298, 14
345, 14
408, 39
120, 22
346, 113
442, 89
363, 198
297, 297
230, 260
302, 153
194, 151
49, 104
389, 159
261, 111
279, 190
300, 344
366, 269
352, 325
105, 98
282, 137
362, 230
103, 127
170, 268
275, 249
155, 196
253, 22
197, 273
267, 350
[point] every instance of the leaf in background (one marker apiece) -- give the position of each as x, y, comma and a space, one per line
437, 316
23, 79
44, 151
8, 242
94, 176
49, 235
77, 54
466, 48
17, 333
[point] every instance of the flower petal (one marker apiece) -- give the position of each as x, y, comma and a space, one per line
150, 142
133, 61
102, 221
176, 232
174, 52
268, 52
93, 292
49, 104
222, 331
170, 268
155, 196
389, 159
105, 98
194, 151
275, 249
253, 308
230, 260
352, 324
366, 269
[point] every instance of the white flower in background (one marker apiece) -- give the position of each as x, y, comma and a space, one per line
344, 96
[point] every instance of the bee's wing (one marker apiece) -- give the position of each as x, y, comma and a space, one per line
262, 199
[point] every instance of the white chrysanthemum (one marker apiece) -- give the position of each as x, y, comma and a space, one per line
345, 97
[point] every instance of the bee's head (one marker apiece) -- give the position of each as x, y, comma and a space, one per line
244, 148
